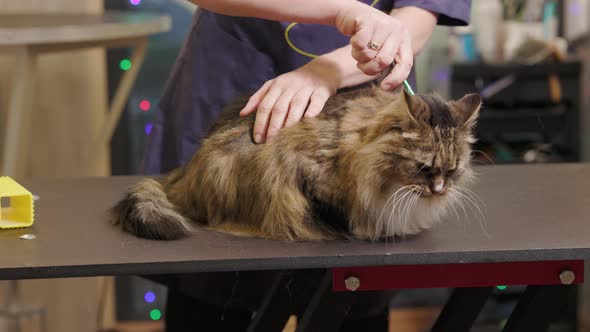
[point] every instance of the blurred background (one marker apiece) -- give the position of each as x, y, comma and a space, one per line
528, 59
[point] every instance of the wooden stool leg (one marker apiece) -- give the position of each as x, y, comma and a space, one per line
103, 139
15, 152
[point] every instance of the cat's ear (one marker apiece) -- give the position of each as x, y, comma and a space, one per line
417, 111
467, 109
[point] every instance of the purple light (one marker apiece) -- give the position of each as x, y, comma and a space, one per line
149, 297
441, 75
575, 9
135, 2
148, 128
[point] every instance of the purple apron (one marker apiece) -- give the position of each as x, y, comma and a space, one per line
225, 57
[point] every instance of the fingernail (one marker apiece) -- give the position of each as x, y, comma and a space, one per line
257, 138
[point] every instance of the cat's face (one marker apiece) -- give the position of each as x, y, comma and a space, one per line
431, 143
423, 159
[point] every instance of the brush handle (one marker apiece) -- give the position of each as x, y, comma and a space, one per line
408, 88
387, 71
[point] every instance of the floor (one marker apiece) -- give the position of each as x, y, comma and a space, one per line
406, 320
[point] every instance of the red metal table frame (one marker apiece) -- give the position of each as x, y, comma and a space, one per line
458, 275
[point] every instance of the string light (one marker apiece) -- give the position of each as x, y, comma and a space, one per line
575, 9
135, 2
155, 314
148, 128
145, 105
441, 75
125, 64
149, 297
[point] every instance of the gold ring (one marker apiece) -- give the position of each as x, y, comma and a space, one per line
373, 46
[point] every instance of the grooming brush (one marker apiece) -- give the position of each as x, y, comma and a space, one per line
386, 72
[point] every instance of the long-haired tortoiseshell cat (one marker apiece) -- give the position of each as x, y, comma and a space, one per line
373, 164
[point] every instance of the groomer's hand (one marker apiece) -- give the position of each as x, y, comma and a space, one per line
283, 101
377, 40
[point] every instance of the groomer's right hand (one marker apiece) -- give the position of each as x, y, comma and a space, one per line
377, 40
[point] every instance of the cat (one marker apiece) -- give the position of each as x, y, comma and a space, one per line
372, 165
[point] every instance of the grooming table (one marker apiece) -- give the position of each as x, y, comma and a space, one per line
537, 233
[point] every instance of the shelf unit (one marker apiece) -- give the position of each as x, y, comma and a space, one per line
523, 115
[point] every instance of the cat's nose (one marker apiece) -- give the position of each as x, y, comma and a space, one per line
437, 185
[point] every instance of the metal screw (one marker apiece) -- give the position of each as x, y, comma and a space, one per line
27, 237
567, 277
352, 283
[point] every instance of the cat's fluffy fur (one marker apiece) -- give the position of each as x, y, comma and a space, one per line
339, 173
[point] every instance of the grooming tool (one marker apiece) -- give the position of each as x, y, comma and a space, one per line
386, 72
16, 204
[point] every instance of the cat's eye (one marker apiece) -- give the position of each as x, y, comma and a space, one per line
423, 168
450, 172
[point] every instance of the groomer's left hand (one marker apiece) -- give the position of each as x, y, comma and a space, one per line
283, 101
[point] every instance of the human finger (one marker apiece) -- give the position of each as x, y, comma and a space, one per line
359, 42
404, 62
263, 113
279, 113
317, 103
255, 99
384, 57
298, 105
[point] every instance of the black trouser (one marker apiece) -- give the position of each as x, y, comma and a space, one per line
220, 301
187, 314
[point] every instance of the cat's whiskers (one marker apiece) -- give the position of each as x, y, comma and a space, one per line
391, 219
461, 202
473, 195
469, 198
480, 162
452, 199
403, 211
392, 216
490, 160
411, 204
396, 202
472, 204
379, 223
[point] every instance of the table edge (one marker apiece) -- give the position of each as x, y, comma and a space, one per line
36, 36
290, 263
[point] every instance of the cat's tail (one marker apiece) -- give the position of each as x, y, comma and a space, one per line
147, 212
